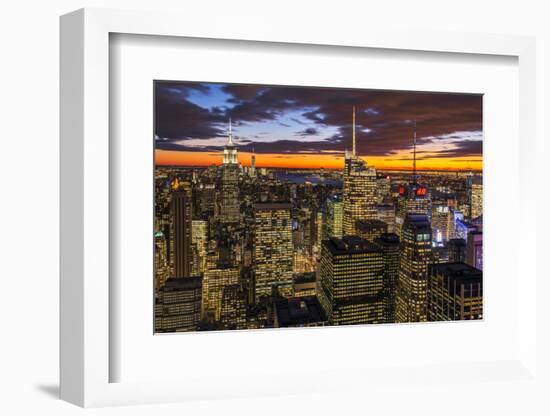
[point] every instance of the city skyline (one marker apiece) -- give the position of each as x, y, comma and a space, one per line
243, 246
306, 127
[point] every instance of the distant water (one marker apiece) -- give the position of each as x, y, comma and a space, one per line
301, 178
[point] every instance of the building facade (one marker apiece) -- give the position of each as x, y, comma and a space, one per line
233, 307
334, 217
352, 281
390, 246
215, 281
273, 248
178, 305
455, 292
416, 243
181, 233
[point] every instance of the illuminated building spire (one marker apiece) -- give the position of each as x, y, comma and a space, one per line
353, 133
230, 141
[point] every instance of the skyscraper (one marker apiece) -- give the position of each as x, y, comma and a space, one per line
390, 245
252, 170
229, 204
233, 307
181, 233
474, 249
178, 305
359, 189
413, 198
476, 197
273, 249
162, 271
416, 242
440, 213
455, 292
215, 281
352, 281
334, 217
370, 229
199, 233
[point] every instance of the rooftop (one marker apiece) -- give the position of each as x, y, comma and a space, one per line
271, 206
388, 238
461, 272
182, 283
299, 311
366, 225
350, 244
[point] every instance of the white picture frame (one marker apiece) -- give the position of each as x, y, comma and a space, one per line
85, 211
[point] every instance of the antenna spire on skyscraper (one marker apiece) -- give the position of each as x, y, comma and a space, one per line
353, 133
414, 153
230, 141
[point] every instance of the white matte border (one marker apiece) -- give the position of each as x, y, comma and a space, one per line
90, 377
247, 355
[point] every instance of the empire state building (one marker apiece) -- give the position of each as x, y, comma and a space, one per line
229, 204
359, 189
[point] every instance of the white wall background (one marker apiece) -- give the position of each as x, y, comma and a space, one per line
29, 179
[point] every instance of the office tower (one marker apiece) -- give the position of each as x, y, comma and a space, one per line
456, 248
252, 170
359, 191
229, 204
352, 281
298, 312
334, 218
455, 292
319, 233
413, 198
476, 197
214, 282
206, 200
454, 216
370, 229
181, 233
178, 305
272, 260
305, 284
162, 270
199, 240
474, 250
440, 213
233, 307
383, 188
386, 213
416, 242
390, 246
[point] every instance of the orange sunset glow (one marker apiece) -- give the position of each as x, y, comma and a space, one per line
273, 160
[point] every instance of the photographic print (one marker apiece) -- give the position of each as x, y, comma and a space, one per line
292, 206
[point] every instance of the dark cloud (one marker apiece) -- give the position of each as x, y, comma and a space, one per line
177, 118
310, 131
384, 121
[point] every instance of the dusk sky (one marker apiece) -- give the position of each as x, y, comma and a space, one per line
311, 127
